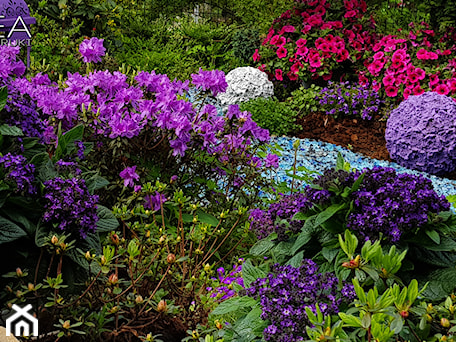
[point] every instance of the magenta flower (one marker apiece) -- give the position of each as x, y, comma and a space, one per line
282, 52
92, 50
272, 161
129, 175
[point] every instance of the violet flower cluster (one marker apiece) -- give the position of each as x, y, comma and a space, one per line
344, 99
393, 205
225, 290
287, 291
116, 109
15, 170
9, 63
70, 206
92, 50
386, 204
279, 216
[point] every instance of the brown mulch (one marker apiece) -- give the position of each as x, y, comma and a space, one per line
361, 136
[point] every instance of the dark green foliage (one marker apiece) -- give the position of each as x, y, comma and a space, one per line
244, 44
271, 114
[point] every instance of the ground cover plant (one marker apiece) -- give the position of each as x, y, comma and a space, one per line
133, 209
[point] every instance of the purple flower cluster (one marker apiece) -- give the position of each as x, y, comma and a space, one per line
154, 202
9, 65
345, 99
393, 205
15, 170
225, 290
20, 111
266, 222
213, 80
92, 50
116, 109
287, 291
69, 204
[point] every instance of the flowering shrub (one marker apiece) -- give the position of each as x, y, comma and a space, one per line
314, 40
279, 217
345, 99
287, 291
383, 204
420, 133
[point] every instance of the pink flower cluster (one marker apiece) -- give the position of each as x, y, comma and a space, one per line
307, 39
410, 66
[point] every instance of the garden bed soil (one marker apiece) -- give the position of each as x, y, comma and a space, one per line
361, 136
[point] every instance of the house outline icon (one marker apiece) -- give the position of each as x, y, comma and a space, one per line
22, 312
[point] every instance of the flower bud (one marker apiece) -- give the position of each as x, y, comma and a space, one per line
19, 294
115, 239
113, 279
171, 258
66, 325
139, 299
88, 256
19, 272
404, 313
30, 287
148, 234
114, 309
162, 239
218, 325
444, 322
162, 306
103, 260
207, 268
54, 240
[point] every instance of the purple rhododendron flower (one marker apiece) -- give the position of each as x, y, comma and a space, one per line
272, 160
213, 80
92, 50
129, 175
154, 201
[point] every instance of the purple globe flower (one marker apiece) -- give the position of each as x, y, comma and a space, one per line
92, 50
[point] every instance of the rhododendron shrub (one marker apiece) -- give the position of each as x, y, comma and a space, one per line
316, 38
148, 116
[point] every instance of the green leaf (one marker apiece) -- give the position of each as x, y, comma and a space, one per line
42, 232
302, 239
3, 97
233, 304
350, 320
11, 130
106, 220
187, 218
340, 162
10, 231
251, 273
328, 213
66, 142
329, 254
207, 218
296, 261
263, 246
433, 235
96, 182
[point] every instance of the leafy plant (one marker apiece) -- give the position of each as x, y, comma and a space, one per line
272, 115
